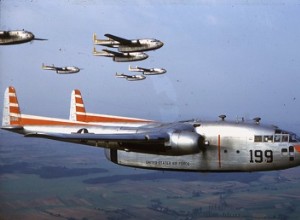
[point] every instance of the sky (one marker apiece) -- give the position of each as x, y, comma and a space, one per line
239, 58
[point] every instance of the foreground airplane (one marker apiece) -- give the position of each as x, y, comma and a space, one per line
145, 71
121, 57
187, 145
62, 70
130, 77
16, 37
126, 46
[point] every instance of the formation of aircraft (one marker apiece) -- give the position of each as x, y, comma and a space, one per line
193, 145
62, 70
131, 77
147, 71
16, 37
121, 57
128, 46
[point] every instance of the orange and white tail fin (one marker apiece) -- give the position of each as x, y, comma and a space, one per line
11, 109
78, 113
77, 109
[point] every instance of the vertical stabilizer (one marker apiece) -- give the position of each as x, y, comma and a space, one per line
77, 109
11, 109
94, 38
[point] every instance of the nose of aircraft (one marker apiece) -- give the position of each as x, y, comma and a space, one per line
160, 44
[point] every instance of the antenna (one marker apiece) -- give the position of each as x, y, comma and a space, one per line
222, 117
257, 120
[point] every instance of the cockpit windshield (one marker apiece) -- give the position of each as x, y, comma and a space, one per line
279, 136
294, 138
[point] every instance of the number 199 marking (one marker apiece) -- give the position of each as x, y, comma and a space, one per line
258, 156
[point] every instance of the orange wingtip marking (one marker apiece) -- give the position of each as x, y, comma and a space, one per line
15, 123
78, 100
110, 119
13, 109
13, 99
77, 92
80, 109
31, 121
80, 118
297, 147
11, 89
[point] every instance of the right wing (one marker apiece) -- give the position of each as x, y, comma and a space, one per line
113, 52
146, 138
119, 39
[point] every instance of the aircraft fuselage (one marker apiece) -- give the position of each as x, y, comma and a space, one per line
136, 45
229, 147
128, 57
226, 146
15, 37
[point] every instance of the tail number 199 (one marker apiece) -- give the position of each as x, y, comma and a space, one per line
259, 156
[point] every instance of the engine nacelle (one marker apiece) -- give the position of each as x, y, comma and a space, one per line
185, 142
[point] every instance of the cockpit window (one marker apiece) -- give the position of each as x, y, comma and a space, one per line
294, 138
268, 138
282, 136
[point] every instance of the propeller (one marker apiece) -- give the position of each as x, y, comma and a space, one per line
39, 39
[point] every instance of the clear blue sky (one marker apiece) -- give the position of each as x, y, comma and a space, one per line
239, 58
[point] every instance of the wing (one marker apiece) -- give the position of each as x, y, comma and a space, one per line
144, 143
114, 53
119, 39
126, 138
143, 69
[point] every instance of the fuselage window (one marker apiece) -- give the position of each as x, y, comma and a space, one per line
294, 138
257, 138
285, 138
277, 138
268, 138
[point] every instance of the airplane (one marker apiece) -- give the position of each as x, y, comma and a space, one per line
146, 71
62, 70
192, 145
130, 77
16, 37
127, 46
121, 57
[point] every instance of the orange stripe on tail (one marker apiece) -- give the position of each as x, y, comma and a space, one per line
78, 113
11, 109
77, 109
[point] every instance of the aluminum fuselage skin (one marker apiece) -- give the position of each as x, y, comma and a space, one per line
62, 70
15, 37
122, 57
229, 146
145, 71
131, 77
137, 45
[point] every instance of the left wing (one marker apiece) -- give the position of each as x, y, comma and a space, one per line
120, 39
128, 137
114, 53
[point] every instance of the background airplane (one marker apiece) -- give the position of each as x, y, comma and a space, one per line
16, 37
62, 70
130, 77
121, 57
147, 71
194, 145
125, 45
